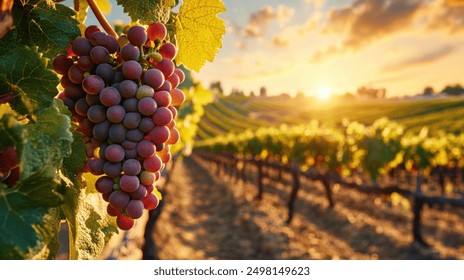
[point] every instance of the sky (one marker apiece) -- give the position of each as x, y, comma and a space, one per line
306, 45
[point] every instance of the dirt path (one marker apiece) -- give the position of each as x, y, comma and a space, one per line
211, 217
203, 219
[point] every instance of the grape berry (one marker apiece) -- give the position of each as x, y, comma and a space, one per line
9, 169
123, 94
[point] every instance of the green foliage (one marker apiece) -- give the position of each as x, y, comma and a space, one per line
41, 23
147, 11
90, 228
50, 152
29, 217
190, 113
372, 150
24, 71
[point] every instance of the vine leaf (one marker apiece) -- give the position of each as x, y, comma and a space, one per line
90, 227
199, 32
11, 131
46, 25
148, 11
48, 142
24, 71
74, 162
29, 218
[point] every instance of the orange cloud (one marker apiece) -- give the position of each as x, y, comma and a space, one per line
321, 55
260, 20
316, 3
367, 20
446, 15
291, 33
420, 59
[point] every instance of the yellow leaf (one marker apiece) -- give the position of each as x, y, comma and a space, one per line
158, 194
6, 109
199, 32
104, 5
90, 180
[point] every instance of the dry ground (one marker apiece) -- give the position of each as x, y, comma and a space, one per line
211, 217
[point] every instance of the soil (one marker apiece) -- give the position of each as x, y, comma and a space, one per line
210, 216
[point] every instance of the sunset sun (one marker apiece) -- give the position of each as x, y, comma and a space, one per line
324, 93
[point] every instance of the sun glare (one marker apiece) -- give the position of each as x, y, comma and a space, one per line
323, 93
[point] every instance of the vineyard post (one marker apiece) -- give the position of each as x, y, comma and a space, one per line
295, 171
236, 169
441, 179
243, 171
259, 165
328, 190
279, 174
218, 167
417, 209
229, 165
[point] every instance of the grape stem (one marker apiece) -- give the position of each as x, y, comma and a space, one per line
101, 18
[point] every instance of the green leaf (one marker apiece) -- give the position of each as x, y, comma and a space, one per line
48, 142
188, 81
45, 25
11, 131
74, 162
148, 11
199, 32
24, 71
28, 220
90, 227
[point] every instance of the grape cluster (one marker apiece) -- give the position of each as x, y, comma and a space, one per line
123, 93
9, 167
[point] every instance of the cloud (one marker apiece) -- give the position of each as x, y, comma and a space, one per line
255, 65
421, 59
233, 27
240, 45
317, 4
260, 20
290, 34
446, 15
365, 21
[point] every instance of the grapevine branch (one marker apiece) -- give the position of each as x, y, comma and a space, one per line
101, 18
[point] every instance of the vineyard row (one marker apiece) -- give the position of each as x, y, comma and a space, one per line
361, 154
236, 167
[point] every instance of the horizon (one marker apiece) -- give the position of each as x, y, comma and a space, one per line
336, 46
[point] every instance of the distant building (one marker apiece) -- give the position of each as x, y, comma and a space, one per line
216, 87
263, 92
237, 92
368, 92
